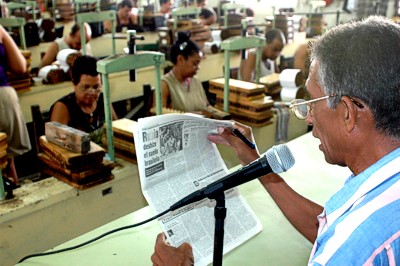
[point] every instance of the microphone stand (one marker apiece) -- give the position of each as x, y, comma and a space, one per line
219, 214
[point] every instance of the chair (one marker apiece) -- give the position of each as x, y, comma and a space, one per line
36, 129
38, 121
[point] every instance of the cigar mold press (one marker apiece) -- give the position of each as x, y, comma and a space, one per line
184, 11
124, 62
17, 23
97, 16
227, 7
240, 43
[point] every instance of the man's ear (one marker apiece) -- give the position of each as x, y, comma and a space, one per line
350, 113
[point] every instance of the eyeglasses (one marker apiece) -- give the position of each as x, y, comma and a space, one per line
301, 108
182, 46
90, 89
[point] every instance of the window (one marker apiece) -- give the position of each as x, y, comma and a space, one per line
350, 5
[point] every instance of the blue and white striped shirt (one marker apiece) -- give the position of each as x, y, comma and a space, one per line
360, 224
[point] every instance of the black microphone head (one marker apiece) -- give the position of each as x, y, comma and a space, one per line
280, 158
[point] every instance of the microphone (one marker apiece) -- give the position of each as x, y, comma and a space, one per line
276, 160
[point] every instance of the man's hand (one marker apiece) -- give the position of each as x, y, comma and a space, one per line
165, 255
225, 137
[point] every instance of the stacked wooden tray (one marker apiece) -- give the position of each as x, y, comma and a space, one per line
199, 32
21, 82
76, 169
65, 10
123, 139
272, 86
165, 110
247, 101
3, 150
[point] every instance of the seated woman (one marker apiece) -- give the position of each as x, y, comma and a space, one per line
12, 120
275, 41
83, 108
180, 89
126, 19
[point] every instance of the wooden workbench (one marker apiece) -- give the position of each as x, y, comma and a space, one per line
120, 86
101, 46
277, 244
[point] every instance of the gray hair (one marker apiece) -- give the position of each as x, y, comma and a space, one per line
362, 59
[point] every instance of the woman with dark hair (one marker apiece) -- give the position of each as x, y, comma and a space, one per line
83, 109
180, 89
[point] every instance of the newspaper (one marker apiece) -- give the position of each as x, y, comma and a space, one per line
175, 159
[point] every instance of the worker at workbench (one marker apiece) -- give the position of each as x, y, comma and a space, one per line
83, 108
72, 41
164, 12
275, 41
180, 89
12, 120
207, 14
126, 19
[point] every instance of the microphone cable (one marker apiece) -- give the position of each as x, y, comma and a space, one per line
93, 239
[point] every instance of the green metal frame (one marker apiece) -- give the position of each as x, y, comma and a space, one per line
16, 22
313, 6
124, 62
229, 6
239, 43
78, 4
96, 17
17, 5
184, 11
140, 12
273, 17
2, 190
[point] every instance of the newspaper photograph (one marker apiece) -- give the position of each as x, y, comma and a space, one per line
175, 158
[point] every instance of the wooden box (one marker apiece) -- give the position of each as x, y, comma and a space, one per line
123, 139
272, 85
67, 137
3, 150
247, 101
241, 88
72, 160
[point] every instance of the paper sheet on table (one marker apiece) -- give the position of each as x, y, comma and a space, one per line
288, 94
216, 35
291, 78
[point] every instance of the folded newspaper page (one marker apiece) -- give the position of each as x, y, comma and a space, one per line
175, 158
